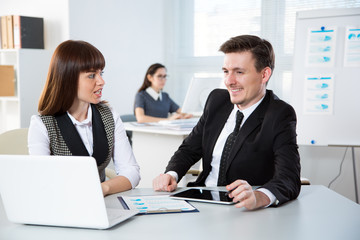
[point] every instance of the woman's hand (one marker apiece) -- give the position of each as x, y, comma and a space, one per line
186, 115
180, 116
175, 116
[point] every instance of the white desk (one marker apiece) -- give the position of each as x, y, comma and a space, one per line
153, 146
318, 213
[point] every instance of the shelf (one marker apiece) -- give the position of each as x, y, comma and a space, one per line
31, 66
15, 98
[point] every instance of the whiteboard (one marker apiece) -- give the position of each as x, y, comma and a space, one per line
326, 78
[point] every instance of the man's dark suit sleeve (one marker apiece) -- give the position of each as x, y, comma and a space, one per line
285, 183
189, 152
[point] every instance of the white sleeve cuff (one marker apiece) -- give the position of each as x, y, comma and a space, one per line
173, 174
269, 194
132, 173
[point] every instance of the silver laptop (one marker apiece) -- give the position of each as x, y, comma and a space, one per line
55, 191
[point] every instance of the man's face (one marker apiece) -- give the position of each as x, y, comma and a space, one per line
245, 84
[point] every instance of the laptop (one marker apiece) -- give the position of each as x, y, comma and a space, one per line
197, 94
56, 191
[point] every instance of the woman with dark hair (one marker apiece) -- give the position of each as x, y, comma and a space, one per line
74, 120
151, 103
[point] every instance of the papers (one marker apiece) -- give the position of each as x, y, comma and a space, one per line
144, 124
180, 124
320, 48
319, 94
352, 47
156, 204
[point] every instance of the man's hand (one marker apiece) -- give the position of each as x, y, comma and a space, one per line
242, 192
164, 182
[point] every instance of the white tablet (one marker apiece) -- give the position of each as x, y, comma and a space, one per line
203, 195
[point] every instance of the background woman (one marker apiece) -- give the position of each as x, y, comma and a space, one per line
74, 121
151, 103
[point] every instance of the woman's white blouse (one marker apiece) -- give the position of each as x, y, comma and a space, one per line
124, 159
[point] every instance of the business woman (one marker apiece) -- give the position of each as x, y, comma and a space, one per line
74, 120
151, 103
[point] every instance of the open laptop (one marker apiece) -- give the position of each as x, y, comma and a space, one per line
55, 191
197, 94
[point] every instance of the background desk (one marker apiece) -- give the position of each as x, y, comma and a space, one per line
153, 146
318, 213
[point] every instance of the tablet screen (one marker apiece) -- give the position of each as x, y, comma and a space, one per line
203, 195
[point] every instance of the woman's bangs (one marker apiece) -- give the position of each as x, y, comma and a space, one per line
92, 60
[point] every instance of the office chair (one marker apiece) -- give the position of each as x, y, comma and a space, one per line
14, 142
304, 181
128, 118
110, 173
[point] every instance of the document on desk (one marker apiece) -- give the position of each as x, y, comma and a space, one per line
180, 124
153, 124
156, 204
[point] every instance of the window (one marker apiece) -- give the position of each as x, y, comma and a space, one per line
217, 21
203, 25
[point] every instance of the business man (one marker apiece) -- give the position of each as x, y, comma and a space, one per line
246, 136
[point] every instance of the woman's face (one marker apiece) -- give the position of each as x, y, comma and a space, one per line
158, 80
90, 86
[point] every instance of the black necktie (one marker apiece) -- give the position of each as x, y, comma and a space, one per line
227, 148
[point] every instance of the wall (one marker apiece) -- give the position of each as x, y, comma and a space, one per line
322, 164
130, 34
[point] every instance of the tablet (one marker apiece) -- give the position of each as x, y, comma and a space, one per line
203, 195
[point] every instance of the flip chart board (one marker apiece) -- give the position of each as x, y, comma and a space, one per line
326, 76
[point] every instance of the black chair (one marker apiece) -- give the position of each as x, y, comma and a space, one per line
128, 118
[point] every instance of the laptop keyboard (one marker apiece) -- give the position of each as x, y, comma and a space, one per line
114, 214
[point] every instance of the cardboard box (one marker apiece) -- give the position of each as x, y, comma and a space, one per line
7, 80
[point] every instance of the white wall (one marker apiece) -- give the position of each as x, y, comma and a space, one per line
322, 164
130, 34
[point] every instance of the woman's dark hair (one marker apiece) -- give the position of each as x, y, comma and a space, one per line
70, 58
151, 71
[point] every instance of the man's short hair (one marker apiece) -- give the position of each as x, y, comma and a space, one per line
261, 50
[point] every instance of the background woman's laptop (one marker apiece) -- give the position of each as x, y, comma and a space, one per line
56, 191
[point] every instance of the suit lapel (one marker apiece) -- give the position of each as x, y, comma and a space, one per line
253, 121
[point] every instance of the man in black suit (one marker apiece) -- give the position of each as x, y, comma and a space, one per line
262, 151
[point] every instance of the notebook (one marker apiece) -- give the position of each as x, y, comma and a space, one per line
156, 204
56, 191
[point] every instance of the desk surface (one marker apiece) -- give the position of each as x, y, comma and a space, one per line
318, 213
